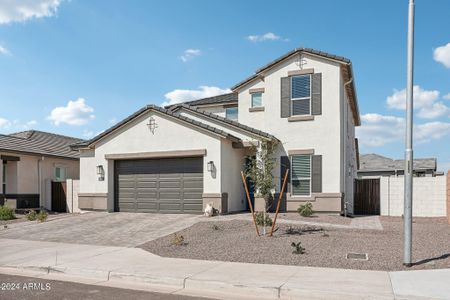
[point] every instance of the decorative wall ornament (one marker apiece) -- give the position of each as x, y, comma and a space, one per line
152, 125
300, 62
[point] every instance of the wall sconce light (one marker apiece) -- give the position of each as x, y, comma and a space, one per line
210, 166
100, 173
152, 124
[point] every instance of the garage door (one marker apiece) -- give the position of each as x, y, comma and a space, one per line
168, 185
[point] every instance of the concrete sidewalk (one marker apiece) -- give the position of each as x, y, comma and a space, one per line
125, 267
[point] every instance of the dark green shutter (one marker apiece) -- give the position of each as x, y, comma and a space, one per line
284, 165
285, 97
316, 174
316, 94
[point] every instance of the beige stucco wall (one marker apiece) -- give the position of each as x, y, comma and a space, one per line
323, 134
232, 165
135, 137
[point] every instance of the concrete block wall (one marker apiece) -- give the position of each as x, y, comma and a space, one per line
429, 196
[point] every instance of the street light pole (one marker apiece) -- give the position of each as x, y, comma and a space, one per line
407, 215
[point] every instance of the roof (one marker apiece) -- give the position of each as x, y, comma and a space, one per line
153, 107
219, 99
226, 121
347, 74
40, 143
374, 162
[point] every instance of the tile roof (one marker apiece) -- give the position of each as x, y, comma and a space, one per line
375, 162
227, 121
219, 99
161, 110
39, 142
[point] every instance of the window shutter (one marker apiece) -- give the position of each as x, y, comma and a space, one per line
285, 164
285, 97
316, 174
316, 94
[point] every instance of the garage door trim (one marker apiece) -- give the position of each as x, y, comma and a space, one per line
157, 154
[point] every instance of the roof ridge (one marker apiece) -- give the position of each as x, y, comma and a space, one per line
33, 131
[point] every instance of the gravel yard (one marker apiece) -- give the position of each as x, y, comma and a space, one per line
316, 218
325, 247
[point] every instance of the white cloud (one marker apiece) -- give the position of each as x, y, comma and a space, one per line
446, 97
4, 51
4, 123
87, 134
436, 110
442, 55
178, 96
22, 10
112, 121
75, 113
269, 36
189, 54
445, 167
378, 130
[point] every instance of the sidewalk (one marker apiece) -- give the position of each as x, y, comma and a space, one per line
125, 267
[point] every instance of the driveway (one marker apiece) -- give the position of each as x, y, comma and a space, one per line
101, 228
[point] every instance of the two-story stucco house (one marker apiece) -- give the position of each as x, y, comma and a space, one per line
179, 158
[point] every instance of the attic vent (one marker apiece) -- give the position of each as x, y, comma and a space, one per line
357, 256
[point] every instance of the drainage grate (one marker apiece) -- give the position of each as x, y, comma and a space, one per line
357, 256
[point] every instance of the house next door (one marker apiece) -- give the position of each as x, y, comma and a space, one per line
166, 185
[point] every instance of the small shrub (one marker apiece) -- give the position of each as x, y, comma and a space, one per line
298, 249
31, 215
305, 210
325, 234
215, 227
7, 213
260, 219
177, 240
42, 216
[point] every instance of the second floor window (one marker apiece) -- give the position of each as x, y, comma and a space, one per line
256, 99
231, 113
301, 95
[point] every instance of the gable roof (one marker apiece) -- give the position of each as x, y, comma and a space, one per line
219, 99
40, 143
375, 162
347, 73
238, 125
164, 111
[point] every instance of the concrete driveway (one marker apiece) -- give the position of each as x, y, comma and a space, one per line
100, 228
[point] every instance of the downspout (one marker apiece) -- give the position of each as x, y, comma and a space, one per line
39, 181
344, 146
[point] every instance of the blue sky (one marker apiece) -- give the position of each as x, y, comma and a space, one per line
76, 67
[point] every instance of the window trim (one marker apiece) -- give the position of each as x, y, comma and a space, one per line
301, 178
237, 112
65, 173
251, 100
302, 98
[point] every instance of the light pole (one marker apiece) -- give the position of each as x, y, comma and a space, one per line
407, 215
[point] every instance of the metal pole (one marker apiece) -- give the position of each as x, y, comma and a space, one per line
407, 215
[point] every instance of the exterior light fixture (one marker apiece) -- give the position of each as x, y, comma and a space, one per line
210, 166
152, 125
100, 173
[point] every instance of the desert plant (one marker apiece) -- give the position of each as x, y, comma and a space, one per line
324, 234
263, 219
216, 227
42, 216
7, 213
31, 215
298, 249
305, 210
177, 240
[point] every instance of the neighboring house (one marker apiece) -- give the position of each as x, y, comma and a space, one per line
377, 165
379, 189
179, 158
30, 160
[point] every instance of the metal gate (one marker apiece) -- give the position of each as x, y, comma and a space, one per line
59, 196
367, 197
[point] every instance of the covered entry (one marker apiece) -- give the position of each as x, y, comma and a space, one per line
367, 197
165, 185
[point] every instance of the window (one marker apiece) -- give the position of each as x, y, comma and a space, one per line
60, 173
231, 113
301, 175
301, 94
256, 99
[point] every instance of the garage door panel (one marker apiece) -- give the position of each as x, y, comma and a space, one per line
170, 185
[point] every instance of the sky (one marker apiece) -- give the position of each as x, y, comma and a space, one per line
77, 67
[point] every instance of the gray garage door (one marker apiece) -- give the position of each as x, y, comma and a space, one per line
169, 185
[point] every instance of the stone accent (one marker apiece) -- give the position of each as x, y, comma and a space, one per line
322, 202
219, 201
93, 201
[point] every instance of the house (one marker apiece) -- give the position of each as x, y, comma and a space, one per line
178, 159
377, 165
379, 187
31, 160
